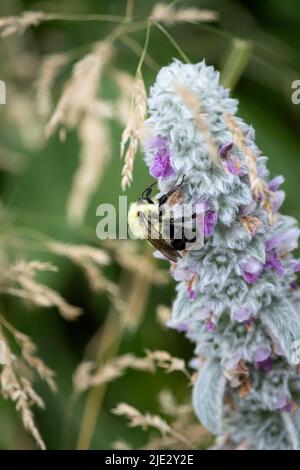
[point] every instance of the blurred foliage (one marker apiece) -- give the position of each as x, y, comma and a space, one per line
35, 198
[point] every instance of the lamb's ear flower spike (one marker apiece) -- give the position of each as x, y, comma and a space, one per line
240, 306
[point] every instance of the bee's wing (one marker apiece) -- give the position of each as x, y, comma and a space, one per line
156, 240
166, 249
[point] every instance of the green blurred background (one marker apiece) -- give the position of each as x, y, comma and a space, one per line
35, 198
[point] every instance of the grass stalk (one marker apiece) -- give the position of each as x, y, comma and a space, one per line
135, 290
173, 42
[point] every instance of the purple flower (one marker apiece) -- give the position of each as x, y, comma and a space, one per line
294, 285
262, 170
161, 166
296, 266
266, 365
225, 148
192, 293
234, 166
242, 314
273, 262
181, 274
277, 200
252, 270
194, 363
285, 242
182, 327
192, 283
275, 183
210, 220
248, 324
159, 142
262, 359
283, 403
261, 354
250, 278
288, 407
211, 324
274, 242
290, 240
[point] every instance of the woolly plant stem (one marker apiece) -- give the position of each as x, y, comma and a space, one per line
237, 295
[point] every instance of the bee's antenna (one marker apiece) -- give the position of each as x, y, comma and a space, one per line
146, 193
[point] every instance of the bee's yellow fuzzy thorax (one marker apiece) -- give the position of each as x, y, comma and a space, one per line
137, 227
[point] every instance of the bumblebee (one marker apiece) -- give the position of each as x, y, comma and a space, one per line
148, 219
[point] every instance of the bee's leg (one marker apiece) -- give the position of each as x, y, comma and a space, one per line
148, 199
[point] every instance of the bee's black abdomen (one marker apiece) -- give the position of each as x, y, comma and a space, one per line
179, 244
